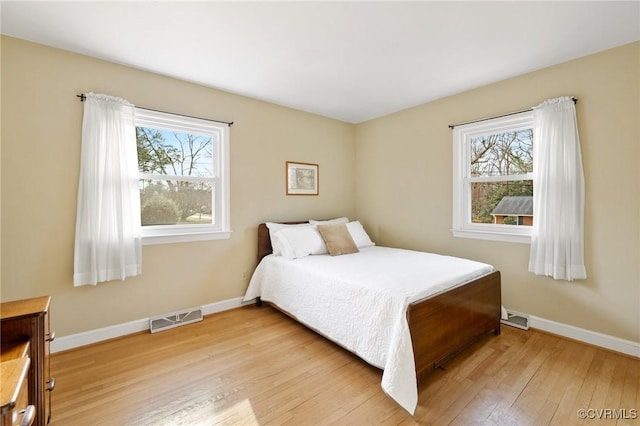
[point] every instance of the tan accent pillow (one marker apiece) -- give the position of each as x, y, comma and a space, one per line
338, 239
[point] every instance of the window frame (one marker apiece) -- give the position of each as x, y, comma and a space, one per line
462, 134
221, 229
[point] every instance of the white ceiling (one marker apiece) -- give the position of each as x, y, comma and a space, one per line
351, 61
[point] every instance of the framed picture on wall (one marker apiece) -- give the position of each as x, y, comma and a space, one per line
302, 178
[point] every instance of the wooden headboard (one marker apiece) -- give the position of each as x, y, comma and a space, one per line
264, 241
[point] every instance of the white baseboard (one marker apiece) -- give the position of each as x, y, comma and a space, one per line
591, 337
616, 344
94, 336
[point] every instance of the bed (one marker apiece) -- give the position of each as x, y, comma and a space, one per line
412, 332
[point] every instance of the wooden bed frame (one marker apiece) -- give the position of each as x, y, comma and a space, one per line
441, 325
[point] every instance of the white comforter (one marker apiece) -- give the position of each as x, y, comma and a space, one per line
360, 301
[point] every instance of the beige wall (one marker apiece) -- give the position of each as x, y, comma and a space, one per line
403, 187
41, 124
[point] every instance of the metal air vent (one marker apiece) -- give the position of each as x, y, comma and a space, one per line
174, 319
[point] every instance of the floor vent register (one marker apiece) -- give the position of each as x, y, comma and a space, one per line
175, 319
517, 321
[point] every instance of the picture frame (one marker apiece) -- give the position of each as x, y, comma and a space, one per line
302, 178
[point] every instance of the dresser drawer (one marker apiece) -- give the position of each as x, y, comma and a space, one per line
15, 409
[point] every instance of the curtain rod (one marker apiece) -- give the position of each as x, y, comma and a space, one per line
451, 126
228, 123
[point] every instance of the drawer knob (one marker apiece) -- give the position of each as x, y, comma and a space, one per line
51, 383
50, 337
28, 415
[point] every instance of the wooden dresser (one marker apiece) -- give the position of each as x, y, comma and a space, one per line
28, 321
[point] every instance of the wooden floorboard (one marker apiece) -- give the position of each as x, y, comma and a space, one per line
256, 366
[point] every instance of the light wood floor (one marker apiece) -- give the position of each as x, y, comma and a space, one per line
255, 366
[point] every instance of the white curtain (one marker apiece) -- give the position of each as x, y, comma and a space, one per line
557, 243
108, 232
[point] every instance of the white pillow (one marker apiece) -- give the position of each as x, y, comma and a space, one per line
337, 221
359, 235
274, 228
300, 242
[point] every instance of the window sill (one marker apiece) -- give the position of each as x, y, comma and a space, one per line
184, 237
492, 236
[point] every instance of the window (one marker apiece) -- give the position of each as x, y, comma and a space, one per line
184, 177
493, 178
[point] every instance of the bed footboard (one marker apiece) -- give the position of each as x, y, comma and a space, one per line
445, 324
